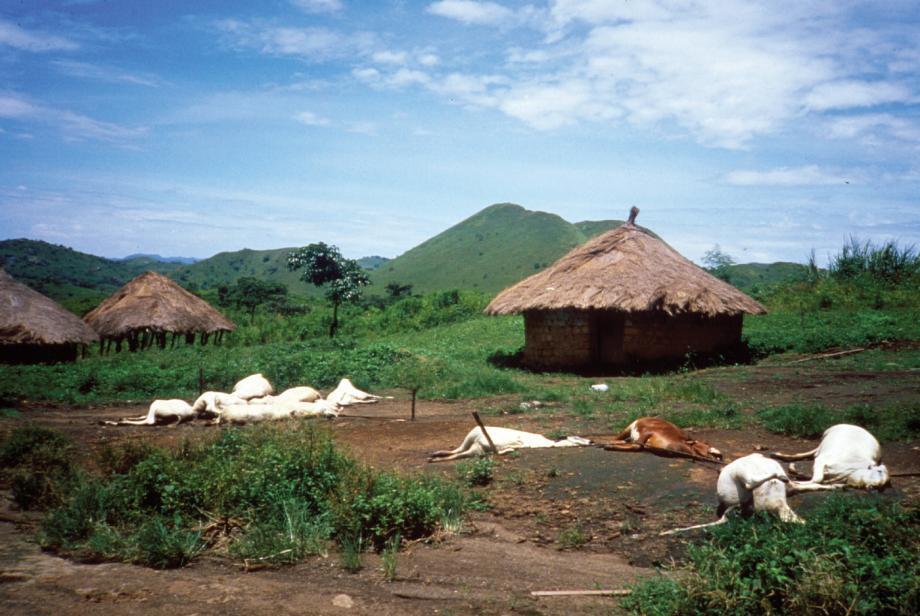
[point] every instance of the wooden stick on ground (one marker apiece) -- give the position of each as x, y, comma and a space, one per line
580, 593
482, 427
837, 354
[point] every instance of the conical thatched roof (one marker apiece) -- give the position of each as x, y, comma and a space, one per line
153, 301
628, 270
28, 317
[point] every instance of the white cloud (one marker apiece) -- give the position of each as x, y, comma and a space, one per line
12, 107
846, 94
872, 125
363, 128
429, 59
311, 119
12, 35
318, 6
366, 74
105, 73
390, 57
313, 43
809, 175
470, 12
71, 125
725, 72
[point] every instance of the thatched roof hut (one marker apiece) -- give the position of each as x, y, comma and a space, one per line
150, 306
623, 296
35, 328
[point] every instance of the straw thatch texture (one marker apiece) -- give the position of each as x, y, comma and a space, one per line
29, 318
154, 302
625, 270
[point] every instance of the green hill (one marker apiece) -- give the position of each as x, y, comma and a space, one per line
747, 276
225, 268
488, 251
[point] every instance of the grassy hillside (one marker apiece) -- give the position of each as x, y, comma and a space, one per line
488, 251
225, 268
752, 275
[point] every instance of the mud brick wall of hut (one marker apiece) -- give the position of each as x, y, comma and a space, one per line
653, 336
581, 338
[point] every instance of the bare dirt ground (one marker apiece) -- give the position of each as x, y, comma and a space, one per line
580, 518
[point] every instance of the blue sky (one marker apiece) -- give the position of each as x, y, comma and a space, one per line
188, 128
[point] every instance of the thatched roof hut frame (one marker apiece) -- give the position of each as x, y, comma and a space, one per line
624, 297
35, 328
148, 309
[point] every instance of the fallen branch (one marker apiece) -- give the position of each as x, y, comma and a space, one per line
581, 593
824, 355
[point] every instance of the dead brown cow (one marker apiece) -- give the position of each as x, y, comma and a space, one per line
662, 437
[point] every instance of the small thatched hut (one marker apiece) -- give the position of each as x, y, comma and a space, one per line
621, 299
35, 328
151, 306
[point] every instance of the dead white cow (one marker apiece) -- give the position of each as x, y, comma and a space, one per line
847, 456
753, 483
276, 410
253, 386
294, 394
212, 401
253, 413
346, 394
505, 440
316, 408
160, 412
299, 394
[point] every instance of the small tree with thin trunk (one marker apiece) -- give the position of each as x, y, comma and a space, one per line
415, 372
324, 266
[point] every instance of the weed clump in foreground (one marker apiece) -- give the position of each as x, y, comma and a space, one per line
854, 555
39, 465
274, 493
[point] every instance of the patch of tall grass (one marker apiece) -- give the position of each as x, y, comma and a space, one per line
893, 422
854, 555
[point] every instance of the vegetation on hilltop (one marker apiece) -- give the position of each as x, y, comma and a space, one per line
488, 251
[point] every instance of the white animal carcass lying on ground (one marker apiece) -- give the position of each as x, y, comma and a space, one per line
505, 440
160, 412
254, 413
253, 386
346, 394
212, 401
753, 483
273, 411
847, 456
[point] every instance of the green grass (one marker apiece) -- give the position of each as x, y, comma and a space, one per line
854, 555
275, 494
893, 422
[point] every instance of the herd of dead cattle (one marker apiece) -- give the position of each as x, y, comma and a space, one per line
847, 456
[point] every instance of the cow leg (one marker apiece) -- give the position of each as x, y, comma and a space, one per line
623, 446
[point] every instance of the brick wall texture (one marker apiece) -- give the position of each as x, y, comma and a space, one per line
584, 338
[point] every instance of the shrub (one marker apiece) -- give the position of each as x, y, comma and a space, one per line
287, 490
39, 463
478, 472
853, 555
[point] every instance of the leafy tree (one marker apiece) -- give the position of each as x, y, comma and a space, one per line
250, 293
718, 262
324, 266
396, 290
415, 372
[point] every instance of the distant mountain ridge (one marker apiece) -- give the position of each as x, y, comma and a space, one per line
147, 257
488, 251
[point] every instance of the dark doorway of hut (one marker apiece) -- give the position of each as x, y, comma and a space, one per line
608, 341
